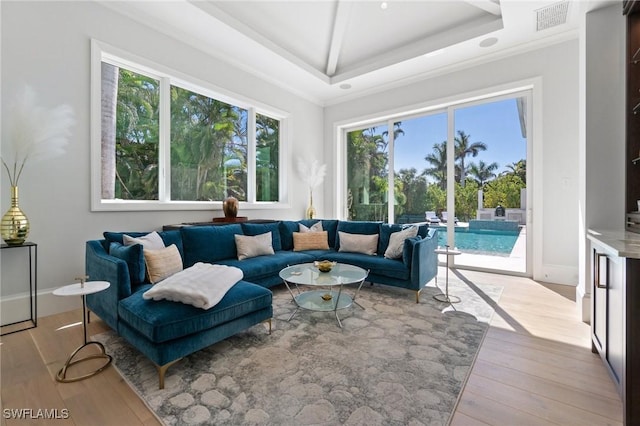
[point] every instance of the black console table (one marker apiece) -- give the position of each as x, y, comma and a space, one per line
32, 322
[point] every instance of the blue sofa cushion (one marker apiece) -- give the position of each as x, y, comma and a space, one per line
264, 266
209, 244
377, 265
163, 320
253, 229
135, 260
357, 227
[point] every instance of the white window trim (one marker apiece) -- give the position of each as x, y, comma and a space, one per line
100, 52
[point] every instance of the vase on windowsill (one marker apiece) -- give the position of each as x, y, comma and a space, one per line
15, 225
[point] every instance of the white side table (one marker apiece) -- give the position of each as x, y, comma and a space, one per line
444, 297
82, 289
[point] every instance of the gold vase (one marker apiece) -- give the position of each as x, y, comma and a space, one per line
311, 211
15, 225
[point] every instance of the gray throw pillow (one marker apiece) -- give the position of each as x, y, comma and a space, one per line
358, 243
396, 242
252, 246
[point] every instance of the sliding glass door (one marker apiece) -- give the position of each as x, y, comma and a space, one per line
490, 158
461, 168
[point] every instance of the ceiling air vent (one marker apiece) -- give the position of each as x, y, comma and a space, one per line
553, 15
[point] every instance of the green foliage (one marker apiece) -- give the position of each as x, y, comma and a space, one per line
367, 161
466, 203
367, 180
137, 137
208, 142
504, 190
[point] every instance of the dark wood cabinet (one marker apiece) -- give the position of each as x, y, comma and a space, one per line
615, 323
632, 11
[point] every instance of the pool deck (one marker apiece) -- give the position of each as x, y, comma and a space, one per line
515, 262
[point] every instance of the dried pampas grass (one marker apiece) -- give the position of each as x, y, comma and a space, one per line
312, 174
35, 133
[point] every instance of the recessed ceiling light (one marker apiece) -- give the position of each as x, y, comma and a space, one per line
488, 42
383, 5
345, 86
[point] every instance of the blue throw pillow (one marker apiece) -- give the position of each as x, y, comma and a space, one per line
134, 257
253, 229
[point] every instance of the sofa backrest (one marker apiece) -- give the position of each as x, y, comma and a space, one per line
209, 243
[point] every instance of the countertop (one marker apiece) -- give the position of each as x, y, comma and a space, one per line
620, 243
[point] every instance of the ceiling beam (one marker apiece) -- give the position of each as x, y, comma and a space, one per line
340, 23
486, 5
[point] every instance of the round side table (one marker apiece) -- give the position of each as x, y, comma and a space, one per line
444, 297
82, 289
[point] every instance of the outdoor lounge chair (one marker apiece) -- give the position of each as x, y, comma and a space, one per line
445, 217
431, 218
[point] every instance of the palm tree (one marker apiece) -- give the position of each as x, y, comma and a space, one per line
438, 162
519, 169
482, 172
109, 86
464, 148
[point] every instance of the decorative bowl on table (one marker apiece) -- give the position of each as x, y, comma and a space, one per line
324, 265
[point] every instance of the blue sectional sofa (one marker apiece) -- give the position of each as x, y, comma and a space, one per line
166, 331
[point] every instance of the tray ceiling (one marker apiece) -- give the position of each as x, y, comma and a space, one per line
331, 50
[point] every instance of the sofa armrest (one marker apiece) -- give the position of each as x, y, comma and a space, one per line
424, 260
100, 266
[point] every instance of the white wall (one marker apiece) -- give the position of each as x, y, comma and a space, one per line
47, 45
602, 139
555, 184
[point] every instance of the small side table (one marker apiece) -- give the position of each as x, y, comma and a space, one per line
32, 322
82, 289
444, 297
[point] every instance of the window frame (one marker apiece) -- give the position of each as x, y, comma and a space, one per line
102, 52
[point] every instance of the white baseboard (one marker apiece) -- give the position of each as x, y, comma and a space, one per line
16, 307
583, 305
557, 274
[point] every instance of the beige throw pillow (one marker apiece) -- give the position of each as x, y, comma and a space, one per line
396, 242
162, 263
151, 241
310, 241
358, 243
252, 246
316, 227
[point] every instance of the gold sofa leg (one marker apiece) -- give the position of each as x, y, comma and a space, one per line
162, 369
417, 296
269, 322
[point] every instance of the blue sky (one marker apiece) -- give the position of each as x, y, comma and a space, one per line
495, 123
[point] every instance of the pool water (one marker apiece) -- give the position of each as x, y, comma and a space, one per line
481, 241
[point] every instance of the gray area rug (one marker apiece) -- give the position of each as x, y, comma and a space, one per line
394, 362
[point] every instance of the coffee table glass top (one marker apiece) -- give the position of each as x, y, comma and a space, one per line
308, 274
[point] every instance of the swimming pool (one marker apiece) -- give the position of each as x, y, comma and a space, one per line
481, 241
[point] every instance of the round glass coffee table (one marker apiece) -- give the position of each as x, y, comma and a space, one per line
329, 298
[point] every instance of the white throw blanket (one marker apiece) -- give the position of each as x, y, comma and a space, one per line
202, 285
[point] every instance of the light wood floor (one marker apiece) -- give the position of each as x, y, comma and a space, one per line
535, 367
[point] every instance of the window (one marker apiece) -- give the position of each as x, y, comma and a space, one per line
162, 141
